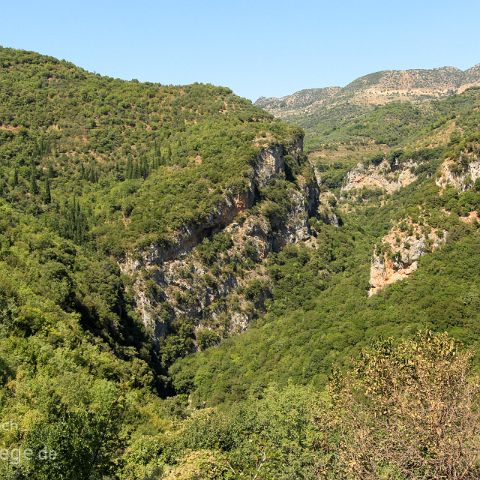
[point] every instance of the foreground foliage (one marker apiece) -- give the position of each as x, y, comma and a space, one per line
407, 410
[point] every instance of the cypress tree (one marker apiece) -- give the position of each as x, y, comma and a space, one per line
129, 173
33, 178
15, 178
93, 174
145, 167
76, 224
157, 155
136, 170
47, 196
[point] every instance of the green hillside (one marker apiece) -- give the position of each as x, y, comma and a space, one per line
185, 295
125, 150
91, 168
384, 107
319, 316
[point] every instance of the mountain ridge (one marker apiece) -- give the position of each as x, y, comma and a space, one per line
375, 88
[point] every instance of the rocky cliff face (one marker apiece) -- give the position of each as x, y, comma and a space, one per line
398, 254
383, 176
219, 264
462, 172
326, 209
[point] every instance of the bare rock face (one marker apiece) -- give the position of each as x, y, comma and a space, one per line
397, 256
213, 274
269, 163
460, 173
382, 176
472, 217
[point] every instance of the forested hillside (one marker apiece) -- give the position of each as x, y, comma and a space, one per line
184, 294
92, 170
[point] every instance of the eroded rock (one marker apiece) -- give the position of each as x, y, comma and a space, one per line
382, 176
398, 254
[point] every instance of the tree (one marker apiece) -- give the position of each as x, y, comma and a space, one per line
75, 222
130, 169
47, 197
406, 411
33, 178
15, 178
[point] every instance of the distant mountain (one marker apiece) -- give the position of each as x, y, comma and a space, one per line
303, 99
375, 89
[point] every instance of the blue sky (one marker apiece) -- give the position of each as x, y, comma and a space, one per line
256, 48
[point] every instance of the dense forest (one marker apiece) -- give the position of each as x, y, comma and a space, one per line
327, 380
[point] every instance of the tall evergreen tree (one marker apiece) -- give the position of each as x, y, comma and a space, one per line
130, 168
144, 167
15, 178
47, 196
76, 226
33, 178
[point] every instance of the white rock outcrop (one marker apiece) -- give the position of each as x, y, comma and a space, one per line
382, 176
458, 174
399, 252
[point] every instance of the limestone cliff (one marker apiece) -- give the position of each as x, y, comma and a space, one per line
398, 254
219, 264
383, 176
462, 172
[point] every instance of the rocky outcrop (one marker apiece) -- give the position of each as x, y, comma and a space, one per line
460, 173
398, 254
326, 208
472, 217
383, 176
270, 162
219, 263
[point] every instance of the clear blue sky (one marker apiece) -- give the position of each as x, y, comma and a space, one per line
263, 47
